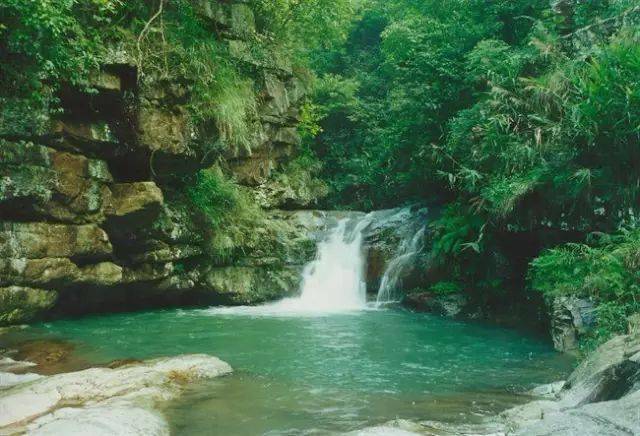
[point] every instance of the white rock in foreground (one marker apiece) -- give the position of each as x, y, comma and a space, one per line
398, 427
8, 379
104, 401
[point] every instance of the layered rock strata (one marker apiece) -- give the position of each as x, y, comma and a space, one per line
93, 211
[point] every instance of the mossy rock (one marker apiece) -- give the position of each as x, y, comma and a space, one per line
251, 285
21, 304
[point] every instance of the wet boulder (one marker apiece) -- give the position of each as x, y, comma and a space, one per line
22, 304
448, 305
394, 242
571, 318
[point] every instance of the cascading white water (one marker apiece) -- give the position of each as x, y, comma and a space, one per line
405, 256
334, 281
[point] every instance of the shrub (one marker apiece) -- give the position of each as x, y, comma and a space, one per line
232, 212
608, 270
446, 288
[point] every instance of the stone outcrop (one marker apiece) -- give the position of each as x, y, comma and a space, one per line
451, 305
393, 234
46, 240
382, 244
274, 258
20, 304
571, 318
38, 181
93, 207
102, 401
134, 204
250, 285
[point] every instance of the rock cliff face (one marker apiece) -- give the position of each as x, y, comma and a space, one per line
571, 318
93, 211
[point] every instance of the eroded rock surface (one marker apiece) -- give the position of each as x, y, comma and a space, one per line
571, 318
94, 214
103, 401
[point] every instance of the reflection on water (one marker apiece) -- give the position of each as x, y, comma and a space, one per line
325, 373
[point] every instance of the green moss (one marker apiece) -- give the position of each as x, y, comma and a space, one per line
446, 288
19, 305
230, 210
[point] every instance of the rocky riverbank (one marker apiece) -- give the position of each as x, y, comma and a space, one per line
123, 400
601, 397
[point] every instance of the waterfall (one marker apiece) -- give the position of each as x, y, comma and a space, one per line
404, 259
334, 281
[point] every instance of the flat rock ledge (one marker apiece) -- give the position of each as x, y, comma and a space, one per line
103, 401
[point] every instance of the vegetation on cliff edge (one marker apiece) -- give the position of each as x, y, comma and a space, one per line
519, 119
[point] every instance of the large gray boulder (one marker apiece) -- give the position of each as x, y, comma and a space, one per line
104, 401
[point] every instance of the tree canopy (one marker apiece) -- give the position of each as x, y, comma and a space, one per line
520, 120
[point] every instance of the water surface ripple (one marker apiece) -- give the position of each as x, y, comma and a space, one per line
323, 373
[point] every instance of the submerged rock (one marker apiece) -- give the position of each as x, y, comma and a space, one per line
50, 356
104, 401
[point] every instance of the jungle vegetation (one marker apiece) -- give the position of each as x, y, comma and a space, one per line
518, 121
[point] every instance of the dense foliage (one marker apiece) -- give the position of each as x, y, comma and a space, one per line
608, 271
520, 118
230, 209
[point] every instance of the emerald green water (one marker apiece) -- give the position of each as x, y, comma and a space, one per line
325, 373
